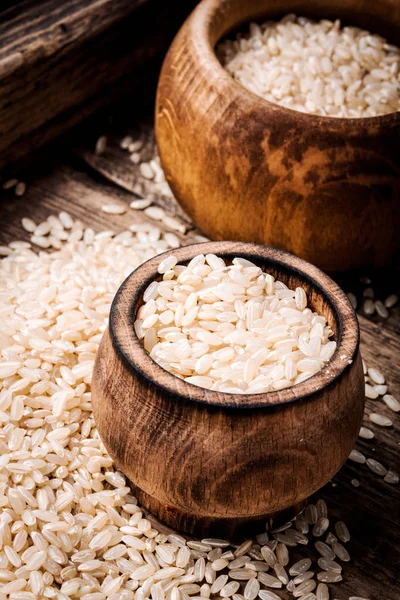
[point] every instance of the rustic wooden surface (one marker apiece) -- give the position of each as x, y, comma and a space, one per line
59, 61
308, 184
65, 182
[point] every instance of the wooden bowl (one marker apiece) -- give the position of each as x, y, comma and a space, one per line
205, 461
326, 189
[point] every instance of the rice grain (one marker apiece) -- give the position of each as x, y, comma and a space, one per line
381, 420
357, 457
376, 467
113, 209
322, 592
316, 67
391, 477
391, 402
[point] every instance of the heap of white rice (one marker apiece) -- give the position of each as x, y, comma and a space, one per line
232, 328
317, 68
69, 526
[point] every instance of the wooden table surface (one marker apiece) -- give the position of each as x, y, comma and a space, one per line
72, 178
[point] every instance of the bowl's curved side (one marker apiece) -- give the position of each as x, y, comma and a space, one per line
203, 463
326, 189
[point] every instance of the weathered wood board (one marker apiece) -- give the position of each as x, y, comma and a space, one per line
60, 61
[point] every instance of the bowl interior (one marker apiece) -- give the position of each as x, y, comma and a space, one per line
381, 17
219, 19
323, 294
319, 299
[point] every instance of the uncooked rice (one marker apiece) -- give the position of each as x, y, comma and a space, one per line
391, 402
146, 171
101, 145
375, 386
391, 477
376, 467
316, 67
381, 420
140, 204
149, 178
9, 184
20, 188
69, 526
366, 433
381, 309
114, 209
231, 328
322, 592
357, 456
391, 300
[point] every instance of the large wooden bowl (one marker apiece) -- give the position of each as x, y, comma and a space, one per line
204, 461
326, 189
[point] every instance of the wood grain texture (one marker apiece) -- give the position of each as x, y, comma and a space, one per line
371, 510
326, 189
59, 61
227, 457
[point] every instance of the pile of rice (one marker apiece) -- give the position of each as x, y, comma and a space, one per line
316, 67
69, 526
231, 328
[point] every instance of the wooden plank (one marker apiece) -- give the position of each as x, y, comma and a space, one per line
61, 61
372, 509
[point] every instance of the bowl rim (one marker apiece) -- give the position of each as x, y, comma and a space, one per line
200, 22
128, 346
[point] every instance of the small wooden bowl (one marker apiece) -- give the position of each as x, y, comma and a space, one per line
204, 461
326, 189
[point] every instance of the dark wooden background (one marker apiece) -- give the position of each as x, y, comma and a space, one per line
62, 60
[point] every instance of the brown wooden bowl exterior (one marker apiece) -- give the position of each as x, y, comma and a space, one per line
326, 189
199, 458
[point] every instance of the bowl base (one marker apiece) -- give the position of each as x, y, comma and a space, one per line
230, 528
